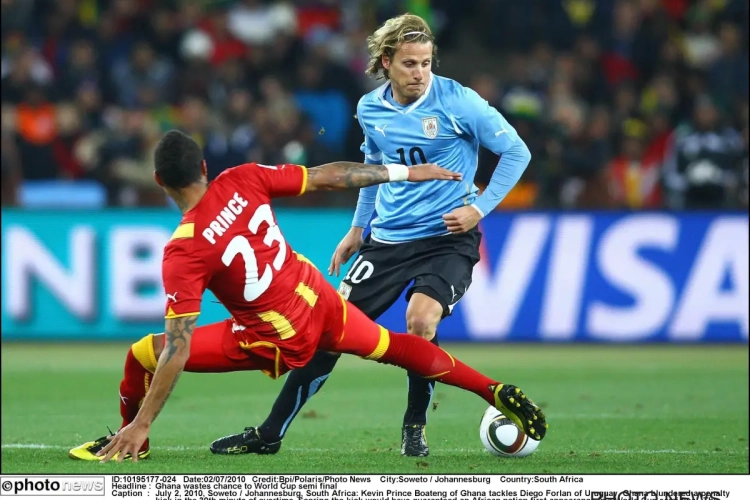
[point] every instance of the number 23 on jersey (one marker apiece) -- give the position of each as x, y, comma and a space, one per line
256, 284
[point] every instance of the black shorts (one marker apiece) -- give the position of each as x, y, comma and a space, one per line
439, 267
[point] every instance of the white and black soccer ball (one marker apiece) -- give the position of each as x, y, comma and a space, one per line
501, 437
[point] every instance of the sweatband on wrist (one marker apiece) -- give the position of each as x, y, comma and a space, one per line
397, 173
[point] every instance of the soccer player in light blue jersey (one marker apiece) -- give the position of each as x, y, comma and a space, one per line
424, 237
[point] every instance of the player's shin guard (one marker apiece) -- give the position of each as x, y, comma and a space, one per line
140, 365
300, 385
432, 363
420, 394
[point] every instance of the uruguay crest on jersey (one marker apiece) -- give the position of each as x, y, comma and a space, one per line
430, 126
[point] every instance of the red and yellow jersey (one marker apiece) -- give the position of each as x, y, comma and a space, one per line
231, 244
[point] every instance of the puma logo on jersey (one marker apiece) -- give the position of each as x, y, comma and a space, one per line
226, 217
454, 301
172, 297
500, 132
381, 130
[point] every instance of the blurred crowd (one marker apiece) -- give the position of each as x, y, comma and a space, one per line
639, 104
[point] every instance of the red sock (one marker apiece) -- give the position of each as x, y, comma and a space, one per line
434, 363
132, 388
139, 364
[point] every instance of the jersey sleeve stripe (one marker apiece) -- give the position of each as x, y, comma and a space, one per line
172, 315
304, 181
184, 231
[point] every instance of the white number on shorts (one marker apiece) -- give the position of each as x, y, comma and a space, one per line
360, 271
255, 285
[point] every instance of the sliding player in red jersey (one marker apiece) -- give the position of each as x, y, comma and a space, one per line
282, 308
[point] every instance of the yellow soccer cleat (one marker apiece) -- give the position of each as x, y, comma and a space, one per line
521, 410
88, 451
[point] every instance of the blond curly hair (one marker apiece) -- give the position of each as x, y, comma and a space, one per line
406, 28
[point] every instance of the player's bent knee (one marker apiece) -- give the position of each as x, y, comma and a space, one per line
421, 326
423, 315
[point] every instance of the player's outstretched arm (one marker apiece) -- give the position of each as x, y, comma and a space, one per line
348, 175
178, 332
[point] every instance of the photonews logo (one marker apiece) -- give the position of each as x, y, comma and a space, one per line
54, 485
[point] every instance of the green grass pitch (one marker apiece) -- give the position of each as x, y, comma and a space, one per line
611, 409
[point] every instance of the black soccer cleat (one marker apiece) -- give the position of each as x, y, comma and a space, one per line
514, 404
244, 443
413, 441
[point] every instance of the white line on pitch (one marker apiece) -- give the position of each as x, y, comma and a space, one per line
33, 446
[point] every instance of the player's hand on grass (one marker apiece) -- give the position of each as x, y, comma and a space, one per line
431, 172
348, 246
128, 440
462, 219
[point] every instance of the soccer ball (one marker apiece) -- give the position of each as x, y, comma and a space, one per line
501, 437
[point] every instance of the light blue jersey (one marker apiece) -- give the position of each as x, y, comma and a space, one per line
445, 126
